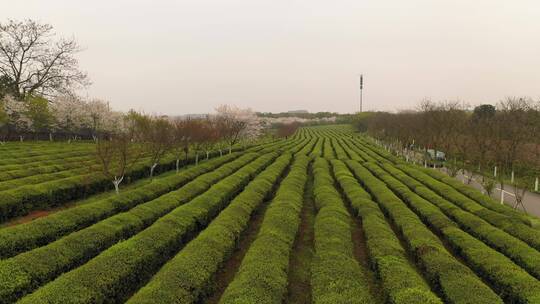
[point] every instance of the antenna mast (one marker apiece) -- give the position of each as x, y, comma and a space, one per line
361, 89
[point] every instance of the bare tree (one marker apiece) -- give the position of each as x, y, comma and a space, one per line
231, 129
35, 63
117, 156
157, 138
287, 129
482, 133
198, 136
236, 124
181, 140
210, 135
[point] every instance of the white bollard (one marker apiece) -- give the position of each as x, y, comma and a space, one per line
536, 185
425, 164
502, 196
495, 172
512, 177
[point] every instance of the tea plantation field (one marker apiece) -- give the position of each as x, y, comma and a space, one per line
325, 216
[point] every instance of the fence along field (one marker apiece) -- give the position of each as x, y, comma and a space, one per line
228, 230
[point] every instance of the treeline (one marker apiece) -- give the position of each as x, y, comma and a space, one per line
137, 135
494, 141
64, 117
299, 114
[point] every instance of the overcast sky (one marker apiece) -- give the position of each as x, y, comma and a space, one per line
188, 56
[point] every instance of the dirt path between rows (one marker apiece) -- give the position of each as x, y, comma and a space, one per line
227, 272
299, 281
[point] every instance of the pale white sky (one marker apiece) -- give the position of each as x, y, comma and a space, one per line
188, 56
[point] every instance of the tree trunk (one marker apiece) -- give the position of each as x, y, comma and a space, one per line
230, 149
177, 165
154, 165
207, 155
50, 136
220, 152
116, 182
197, 159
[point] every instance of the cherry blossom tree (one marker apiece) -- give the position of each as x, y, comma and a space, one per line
70, 115
100, 117
236, 124
15, 117
35, 63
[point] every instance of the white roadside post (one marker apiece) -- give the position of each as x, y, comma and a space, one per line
495, 172
512, 177
502, 196
536, 185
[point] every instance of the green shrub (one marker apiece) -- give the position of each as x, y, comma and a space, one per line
86, 243
262, 276
187, 278
336, 277
511, 225
511, 282
117, 271
39, 232
400, 281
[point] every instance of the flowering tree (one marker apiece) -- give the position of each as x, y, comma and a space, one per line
34, 63
14, 116
70, 115
100, 117
236, 124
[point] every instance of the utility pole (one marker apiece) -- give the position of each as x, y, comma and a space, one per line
361, 88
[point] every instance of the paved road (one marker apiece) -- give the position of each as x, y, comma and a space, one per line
531, 200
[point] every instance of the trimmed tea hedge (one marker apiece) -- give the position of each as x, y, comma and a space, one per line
511, 282
30, 197
400, 281
481, 198
507, 223
456, 282
80, 246
188, 277
262, 276
517, 250
119, 270
39, 232
336, 277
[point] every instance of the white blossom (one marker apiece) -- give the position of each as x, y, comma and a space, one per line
254, 125
16, 112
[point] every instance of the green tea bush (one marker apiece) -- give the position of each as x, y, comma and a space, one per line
336, 277
263, 274
187, 278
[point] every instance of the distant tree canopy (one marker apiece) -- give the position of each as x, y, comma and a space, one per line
298, 114
485, 111
505, 135
33, 63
